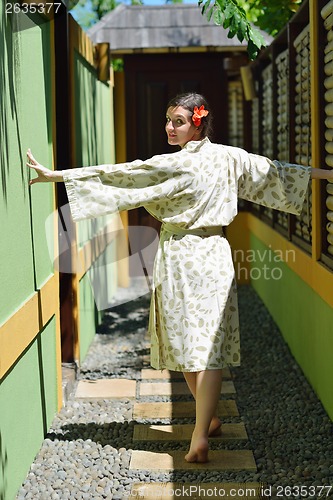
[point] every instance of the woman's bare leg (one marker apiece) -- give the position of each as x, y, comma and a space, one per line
215, 425
207, 390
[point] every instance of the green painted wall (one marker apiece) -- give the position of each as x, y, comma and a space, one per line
28, 392
94, 131
88, 320
94, 134
28, 402
25, 115
304, 319
96, 288
93, 116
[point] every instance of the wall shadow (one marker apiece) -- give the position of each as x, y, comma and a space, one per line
3, 468
4, 140
9, 82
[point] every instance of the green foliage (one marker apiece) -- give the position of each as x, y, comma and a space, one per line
230, 15
102, 7
273, 15
236, 15
117, 64
89, 12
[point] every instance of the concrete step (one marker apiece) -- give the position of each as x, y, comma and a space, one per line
151, 373
184, 432
173, 460
176, 388
186, 409
112, 388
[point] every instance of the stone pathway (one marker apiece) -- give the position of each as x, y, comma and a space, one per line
115, 440
173, 460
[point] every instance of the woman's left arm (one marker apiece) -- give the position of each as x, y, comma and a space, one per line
275, 184
320, 173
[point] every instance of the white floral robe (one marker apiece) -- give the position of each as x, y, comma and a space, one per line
194, 314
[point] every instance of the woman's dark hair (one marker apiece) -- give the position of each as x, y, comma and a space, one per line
188, 101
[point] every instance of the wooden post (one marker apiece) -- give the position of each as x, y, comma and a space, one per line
103, 61
120, 126
64, 161
316, 126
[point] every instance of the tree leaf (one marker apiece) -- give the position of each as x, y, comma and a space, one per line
210, 13
217, 15
229, 10
252, 50
242, 27
226, 23
205, 7
221, 3
257, 38
231, 33
233, 28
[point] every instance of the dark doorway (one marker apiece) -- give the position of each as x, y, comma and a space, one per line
151, 81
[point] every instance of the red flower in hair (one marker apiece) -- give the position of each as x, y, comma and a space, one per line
199, 113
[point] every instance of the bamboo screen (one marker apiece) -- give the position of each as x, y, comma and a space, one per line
302, 228
236, 115
282, 69
255, 141
327, 15
255, 125
267, 121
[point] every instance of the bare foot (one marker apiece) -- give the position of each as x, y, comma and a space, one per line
198, 450
215, 427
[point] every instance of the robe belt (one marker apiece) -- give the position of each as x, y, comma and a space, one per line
200, 231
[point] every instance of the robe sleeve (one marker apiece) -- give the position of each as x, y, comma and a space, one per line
107, 189
277, 185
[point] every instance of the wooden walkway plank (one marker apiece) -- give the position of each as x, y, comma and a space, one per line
106, 389
184, 432
186, 409
198, 491
219, 460
151, 373
176, 388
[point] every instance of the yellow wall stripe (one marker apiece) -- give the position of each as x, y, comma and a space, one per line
314, 273
17, 333
90, 252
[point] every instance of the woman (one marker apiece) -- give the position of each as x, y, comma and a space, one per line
193, 192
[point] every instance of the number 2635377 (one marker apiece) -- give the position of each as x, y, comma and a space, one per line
32, 8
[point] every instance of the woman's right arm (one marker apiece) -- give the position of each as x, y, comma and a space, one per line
44, 174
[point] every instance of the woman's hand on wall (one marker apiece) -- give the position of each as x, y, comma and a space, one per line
44, 174
319, 173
